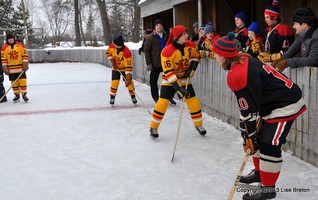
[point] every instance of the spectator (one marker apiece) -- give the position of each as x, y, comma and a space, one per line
155, 42
306, 26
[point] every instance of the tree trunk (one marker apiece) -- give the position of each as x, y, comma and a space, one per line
136, 31
77, 29
105, 21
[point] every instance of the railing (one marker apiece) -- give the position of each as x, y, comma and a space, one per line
216, 98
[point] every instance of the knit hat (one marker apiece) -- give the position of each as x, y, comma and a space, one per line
195, 25
202, 26
208, 28
242, 15
9, 36
273, 10
158, 21
304, 15
118, 41
148, 31
255, 28
176, 32
226, 46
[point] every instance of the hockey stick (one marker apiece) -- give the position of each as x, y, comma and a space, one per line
239, 174
11, 85
179, 124
143, 104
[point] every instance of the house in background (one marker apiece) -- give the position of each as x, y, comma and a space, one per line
221, 13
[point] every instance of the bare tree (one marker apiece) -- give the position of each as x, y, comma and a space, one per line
59, 14
105, 21
133, 11
77, 24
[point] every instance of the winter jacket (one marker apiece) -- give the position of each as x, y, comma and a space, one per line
308, 48
152, 50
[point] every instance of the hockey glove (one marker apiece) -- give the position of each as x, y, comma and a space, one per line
191, 70
114, 65
276, 56
25, 66
256, 46
249, 135
202, 54
128, 79
182, 92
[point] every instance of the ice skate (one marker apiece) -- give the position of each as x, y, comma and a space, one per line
16, 98
201, 130
112, 99
154, 132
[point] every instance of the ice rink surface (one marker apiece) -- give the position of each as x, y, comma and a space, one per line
69, 143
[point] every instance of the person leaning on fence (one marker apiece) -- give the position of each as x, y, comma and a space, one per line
145, 35
254, 44
278, 36
15, 64
210, 37
241, 32
306, 26
253, 84
155, 42
180, 59
121, 59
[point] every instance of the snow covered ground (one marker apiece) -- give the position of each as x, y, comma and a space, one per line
68, 143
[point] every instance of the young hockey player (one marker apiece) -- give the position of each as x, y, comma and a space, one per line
121, 60
241, 32
179, 60
254, 44
262, 93
14, 62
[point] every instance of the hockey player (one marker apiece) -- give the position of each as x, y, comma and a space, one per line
2, 89
261, 92
121, 60
278, 36
210, 37
14, 62
241, 32
179, 60
254, 44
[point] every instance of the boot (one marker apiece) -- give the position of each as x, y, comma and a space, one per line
154, 132
112, 99
262, 194
133, 99
25, 98
16, 98
172, 102
4, 99
252, 177
201, 130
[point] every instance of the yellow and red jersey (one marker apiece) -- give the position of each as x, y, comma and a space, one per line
175, 62
13, 57
123, 58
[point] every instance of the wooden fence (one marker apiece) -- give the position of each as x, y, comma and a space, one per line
216, 98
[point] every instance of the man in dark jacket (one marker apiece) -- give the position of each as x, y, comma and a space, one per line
155, 42
2, 90
306, 26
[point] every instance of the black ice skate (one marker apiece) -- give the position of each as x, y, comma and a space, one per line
133, 99
25, 98
16, 98
252, 177
262, 194
172, 102
154, 132
201, 130
4, 99
112, 99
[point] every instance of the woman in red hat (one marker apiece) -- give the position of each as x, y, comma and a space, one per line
179, 60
